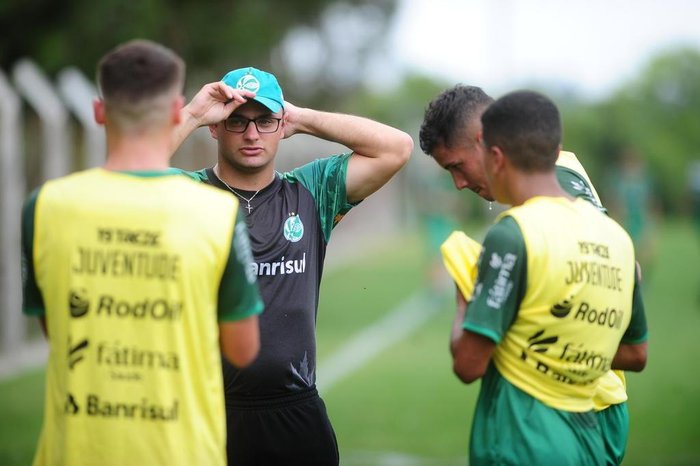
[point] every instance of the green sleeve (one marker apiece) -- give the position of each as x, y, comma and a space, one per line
239, 296
501, 281
577, 186
32, 300
637, 330
325, 179
199, 175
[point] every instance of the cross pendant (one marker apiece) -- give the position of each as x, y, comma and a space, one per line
248, 207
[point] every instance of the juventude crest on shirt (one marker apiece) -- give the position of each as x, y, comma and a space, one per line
293, 228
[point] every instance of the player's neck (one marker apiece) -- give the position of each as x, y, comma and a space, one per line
245, 180
138, 152
524, 187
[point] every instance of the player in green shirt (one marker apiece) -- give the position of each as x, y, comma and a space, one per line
451, 133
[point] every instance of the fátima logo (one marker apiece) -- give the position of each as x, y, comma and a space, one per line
539, 343
76, 352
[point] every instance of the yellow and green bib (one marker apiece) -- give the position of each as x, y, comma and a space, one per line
577, 303
129, 269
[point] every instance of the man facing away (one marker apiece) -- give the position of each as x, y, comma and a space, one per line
140, 279
528, 329
451, 133
275, 415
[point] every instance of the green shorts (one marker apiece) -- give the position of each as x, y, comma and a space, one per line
512, 428
614, 423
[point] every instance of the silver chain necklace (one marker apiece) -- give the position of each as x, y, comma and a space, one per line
247, 200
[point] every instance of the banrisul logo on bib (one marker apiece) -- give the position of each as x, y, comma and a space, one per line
248, 83
293, 228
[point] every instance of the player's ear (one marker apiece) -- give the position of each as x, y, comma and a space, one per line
214, 133
98, 111
176, 110
498, 158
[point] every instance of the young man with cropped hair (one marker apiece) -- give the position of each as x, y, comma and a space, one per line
451, 133
533, 328
140, 279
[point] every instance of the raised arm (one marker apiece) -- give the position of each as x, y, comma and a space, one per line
379, 150
213, 103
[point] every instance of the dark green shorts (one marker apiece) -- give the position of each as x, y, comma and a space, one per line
512, 428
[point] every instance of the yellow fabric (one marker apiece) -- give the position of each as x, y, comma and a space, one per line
577, 305
612, 386
460, 255
134, 371
612, 389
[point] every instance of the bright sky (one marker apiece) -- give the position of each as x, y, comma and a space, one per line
591, 46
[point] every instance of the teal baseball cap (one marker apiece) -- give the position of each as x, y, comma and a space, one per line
267, 90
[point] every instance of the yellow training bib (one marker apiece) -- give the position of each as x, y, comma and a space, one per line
577, 304
129, 269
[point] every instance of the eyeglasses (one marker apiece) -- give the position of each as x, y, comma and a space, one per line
239, 124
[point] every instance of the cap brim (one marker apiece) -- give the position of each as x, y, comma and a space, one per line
273, 105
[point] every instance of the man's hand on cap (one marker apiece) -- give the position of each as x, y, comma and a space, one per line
215, 102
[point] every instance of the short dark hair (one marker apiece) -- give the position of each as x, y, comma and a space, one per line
449, 113
527, 127
137, 71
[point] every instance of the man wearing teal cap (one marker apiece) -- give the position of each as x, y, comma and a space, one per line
274, 413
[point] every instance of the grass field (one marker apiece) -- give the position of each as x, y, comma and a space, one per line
404, 407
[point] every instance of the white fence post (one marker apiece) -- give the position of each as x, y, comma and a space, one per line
78, 93
38, 91
12, 191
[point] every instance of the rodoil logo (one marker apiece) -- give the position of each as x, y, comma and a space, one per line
106, 305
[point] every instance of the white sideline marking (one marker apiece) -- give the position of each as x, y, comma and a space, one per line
362, 347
